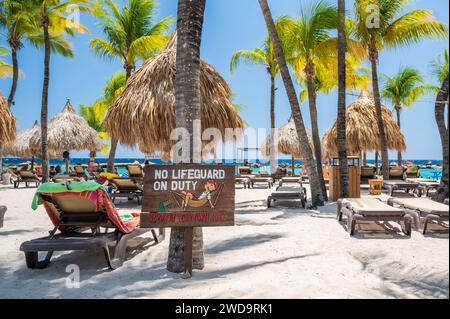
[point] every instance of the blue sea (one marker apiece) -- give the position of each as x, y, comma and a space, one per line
424, 172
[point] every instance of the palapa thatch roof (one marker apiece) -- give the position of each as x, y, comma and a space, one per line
287, 140
362, 129
7, 122
144, 114
21, 146
68, 131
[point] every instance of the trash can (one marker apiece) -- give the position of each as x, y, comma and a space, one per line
354, 178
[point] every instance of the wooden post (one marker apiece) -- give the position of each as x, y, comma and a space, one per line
293, 166
188, 245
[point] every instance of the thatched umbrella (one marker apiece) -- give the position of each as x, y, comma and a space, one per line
362, 130
287, 141
7, 122
68, 131
7, 126
144, 113
21, 146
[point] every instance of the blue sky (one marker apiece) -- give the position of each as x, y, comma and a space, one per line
230, 25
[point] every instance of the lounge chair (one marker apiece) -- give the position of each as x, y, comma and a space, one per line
371, 209
26, 177
244, 170
63, 178
84, 218
396, 172
243, 181
428, 186
446, 201
397, 188
422, 210
288, 193
126, 188
2, 215
261, 179
135, 171
412, 172
290, 180
367, 172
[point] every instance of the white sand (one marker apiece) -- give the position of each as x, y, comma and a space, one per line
277, 253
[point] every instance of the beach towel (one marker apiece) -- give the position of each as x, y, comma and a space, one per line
94, 192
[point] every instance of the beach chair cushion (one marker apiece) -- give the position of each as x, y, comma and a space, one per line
135, 170
422, 204
83, 197
371, 206
28, 175
125, 184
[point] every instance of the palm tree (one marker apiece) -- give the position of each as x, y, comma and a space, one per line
386, 27
403, 89
341, 111
20, 19
95, 114
265, 56
187, 110
54, 18
314, 46
440, 70
316, 191
131, 35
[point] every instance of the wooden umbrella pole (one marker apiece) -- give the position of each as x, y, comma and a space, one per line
293, 165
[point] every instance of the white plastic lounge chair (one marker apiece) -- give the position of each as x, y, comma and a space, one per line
422, 209
371, 209
243, 181
290, 180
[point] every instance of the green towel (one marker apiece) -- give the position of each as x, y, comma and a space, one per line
54, 188
126, 217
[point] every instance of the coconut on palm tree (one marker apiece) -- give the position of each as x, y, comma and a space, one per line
316, 191
383, 25
130, 35
20, 20
403, 89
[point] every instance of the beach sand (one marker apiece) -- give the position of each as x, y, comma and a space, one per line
282, 252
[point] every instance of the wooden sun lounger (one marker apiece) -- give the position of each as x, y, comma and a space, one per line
288, 193
290, 180
243, 181
371, 209
26, 177
2, 215
135, 171
401, 188
427, 185
422, 210
126, 188
77, 215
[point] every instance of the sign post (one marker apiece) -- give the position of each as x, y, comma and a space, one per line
188, 195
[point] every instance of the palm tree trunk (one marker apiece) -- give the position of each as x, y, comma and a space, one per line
15, 78
377, 97
439, 112
341, 111
273, 158
187, 110
399, 154
316, 192
315, 130
44, 106
114, 142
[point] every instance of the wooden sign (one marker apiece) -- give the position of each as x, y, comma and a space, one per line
188, 195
